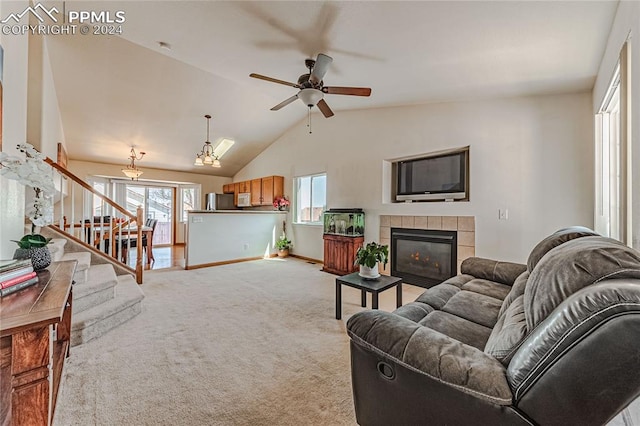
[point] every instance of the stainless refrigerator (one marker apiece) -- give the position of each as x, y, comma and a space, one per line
219, 202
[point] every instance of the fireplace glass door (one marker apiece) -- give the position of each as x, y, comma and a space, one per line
423, 257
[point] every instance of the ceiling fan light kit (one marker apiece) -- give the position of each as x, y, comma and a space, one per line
312, 87
310, 97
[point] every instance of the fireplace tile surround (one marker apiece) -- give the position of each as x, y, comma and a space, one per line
465, 225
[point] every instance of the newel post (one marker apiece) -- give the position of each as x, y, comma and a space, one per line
140, 223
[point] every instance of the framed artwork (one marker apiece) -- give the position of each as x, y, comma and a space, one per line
62, 156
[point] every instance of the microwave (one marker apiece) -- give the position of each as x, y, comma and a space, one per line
244, 199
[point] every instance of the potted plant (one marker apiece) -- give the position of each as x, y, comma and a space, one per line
34, 247
368, 258
281, 203
283, 245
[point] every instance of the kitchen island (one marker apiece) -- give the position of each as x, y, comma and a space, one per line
218, 237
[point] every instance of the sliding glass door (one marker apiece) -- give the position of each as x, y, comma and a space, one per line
157, 203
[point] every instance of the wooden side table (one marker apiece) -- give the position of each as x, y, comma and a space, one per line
33, 321
375, 287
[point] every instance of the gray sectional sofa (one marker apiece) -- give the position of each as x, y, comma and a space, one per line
556, 341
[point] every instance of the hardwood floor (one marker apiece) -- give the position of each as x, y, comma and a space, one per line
165, 257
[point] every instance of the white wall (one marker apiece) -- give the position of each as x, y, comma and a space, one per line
531, 155
221, 237
626, 25
14, 125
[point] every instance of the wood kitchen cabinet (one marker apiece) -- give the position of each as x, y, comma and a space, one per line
228, 188
256, 192
340, 253
264, 190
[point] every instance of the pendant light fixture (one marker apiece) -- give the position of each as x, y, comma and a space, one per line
131, 170
207, 156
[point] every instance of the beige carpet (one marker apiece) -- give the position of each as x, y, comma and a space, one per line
254, 343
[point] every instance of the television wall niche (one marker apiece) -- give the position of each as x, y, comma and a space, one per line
436, 176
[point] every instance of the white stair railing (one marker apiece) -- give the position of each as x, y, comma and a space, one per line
111, 232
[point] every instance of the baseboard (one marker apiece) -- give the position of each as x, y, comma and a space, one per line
225, 262
308, 259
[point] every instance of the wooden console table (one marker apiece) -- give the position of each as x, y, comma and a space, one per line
35, 331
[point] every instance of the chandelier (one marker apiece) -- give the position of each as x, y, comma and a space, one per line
207, 156
132, 171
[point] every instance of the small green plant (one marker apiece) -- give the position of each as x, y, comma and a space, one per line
30, 241
283, 243
371, 254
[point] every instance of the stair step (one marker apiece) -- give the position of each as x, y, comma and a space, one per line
99, 288
56, 247
96, 321
82, 269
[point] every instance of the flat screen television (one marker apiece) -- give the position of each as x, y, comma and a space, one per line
439, 177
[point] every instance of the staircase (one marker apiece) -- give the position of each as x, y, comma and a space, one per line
102, 300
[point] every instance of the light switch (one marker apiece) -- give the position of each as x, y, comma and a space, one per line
503, 214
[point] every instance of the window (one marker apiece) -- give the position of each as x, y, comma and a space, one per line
189, 200
310, 198
612, 179
95, 206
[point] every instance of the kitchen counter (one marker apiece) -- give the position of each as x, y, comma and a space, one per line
218, 237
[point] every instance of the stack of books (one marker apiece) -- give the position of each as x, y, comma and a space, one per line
16, 275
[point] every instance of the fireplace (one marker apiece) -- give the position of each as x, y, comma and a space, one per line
423, 257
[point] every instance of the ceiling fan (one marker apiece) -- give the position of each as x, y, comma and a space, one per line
312, 88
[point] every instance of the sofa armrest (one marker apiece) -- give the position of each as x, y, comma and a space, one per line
431, 353
492, 270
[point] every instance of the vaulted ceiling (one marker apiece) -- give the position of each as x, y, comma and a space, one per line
119, 91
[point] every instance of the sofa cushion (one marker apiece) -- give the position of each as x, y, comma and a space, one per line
414, 311
488, 288
458, 328
579, 318
474, 307
438, 296
516, 290
508, 333
572, 266
492, 270
554, 240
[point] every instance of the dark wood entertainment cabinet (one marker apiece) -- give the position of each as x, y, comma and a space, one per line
340, 253
35, 332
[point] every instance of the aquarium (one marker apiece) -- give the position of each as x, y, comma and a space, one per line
344, 222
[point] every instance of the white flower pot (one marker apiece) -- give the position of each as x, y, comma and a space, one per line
369, 273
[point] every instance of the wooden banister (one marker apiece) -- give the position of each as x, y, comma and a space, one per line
114, 227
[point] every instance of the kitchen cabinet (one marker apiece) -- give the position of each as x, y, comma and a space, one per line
256, 192
264, 190
236, 191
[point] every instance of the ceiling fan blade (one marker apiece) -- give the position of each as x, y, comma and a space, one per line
284, 103
354, 91
320, 68
273, 80
324, 108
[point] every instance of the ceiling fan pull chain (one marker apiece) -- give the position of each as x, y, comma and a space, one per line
309, 120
